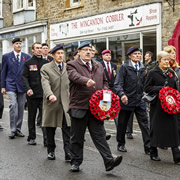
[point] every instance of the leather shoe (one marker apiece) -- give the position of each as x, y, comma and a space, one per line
19, 133
155, 158
147, 151
32, 142
51, 156
115, 163
108, 137
74, 168
12, 135
177, 161
122, 149
130, 136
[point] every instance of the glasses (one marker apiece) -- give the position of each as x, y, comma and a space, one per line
86, 49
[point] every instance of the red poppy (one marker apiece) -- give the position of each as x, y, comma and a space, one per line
98, 112
170, 75
24, 58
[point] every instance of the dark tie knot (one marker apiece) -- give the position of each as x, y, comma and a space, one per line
60, 67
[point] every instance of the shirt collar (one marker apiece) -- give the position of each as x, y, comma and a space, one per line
15, 53
86, 62
134, 64
58, 64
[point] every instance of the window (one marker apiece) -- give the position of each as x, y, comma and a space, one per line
19, 5
73, 3
0, 8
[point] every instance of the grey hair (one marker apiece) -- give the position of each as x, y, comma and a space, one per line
160, 55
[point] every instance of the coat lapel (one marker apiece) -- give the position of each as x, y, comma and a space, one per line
54, 66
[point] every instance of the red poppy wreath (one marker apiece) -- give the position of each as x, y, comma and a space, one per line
170, 100
104, 110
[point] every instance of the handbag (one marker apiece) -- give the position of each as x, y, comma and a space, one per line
148, 98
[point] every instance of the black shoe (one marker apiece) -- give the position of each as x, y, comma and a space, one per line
155, 158
115, 163
108, 137
12, 135
122, 149
1, 128
177, 161
32, 142
147, 151
68, 157
19, 134
74, 168
51, 156
130, 136
164, 148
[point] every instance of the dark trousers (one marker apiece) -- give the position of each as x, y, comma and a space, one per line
123, 119
98, 135
175, 152
51, 145
33, 105
130, 124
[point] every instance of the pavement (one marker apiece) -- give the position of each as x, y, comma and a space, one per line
20, 161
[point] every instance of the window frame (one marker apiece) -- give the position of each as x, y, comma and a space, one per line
75, 4
1, 4
25, 5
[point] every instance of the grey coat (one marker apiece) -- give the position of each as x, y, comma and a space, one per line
55, 83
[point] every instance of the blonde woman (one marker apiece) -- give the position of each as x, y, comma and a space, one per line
163, 126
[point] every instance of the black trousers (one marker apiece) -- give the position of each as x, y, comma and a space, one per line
123, 119
130, 124
33, 105
98, 135
50, 131
175, 152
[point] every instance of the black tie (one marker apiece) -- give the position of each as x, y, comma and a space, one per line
17, 57
60, 67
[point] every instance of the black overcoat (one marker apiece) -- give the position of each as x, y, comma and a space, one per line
163, 126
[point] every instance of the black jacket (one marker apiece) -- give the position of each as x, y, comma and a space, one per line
163, 126
130, 83
31, 76
113, 74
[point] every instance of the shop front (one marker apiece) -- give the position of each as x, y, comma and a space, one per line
29, 33
138, 26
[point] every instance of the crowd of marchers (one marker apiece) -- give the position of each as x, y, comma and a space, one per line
60, 91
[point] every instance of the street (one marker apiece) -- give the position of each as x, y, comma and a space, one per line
20, 161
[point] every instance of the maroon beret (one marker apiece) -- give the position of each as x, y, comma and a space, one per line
106, 51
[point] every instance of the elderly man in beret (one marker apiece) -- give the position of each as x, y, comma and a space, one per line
129, 86
55, 84
86, 76
32, 84
11, 83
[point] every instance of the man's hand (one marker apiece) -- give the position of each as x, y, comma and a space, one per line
52, 98
90, 83
124, 99
30, 92
3, 91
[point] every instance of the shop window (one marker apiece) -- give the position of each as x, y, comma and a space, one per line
0, 8
73, 3
30, 42
100, 45
119, 46
19, 5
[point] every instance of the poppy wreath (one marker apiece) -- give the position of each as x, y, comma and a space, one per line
170, 100
98, 112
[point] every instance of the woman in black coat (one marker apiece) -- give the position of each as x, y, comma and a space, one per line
163, 126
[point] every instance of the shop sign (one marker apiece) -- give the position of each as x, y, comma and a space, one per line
119, 20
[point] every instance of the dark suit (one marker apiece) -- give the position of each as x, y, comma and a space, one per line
11, 80
81, 118
113, 74
1, 99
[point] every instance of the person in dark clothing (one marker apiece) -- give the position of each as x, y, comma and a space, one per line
129, 87
163, 126
32, 84
86, 76
1, 100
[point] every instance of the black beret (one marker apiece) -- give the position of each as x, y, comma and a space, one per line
57, 47
85, 44
44, 44
75, 52
16, 40
132, 49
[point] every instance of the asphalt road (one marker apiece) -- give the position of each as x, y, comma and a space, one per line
20, 161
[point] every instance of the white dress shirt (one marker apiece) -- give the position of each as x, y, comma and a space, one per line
105, 62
